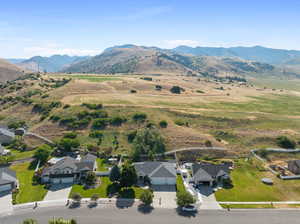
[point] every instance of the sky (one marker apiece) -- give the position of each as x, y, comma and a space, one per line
87, 27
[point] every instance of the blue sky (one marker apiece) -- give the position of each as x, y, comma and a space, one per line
86, 27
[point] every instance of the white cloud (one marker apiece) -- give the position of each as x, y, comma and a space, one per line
175, 43
52, 49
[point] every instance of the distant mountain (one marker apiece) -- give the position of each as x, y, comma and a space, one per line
15, 60
54, 63
257, 53
150, 60
9, 71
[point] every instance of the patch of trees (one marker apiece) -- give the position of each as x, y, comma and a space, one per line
16, 124
139, 117
285, 142
92, 106
176, 90
147, 142
45, 108
68, 144
42, 153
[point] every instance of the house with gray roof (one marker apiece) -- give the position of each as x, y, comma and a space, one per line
294, 166
69, 170
160, 173
4, 151
210, 174
8, 179
6, 136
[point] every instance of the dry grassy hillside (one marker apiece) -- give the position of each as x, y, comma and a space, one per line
9, 71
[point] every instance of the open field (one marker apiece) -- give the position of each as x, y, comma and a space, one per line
248, 116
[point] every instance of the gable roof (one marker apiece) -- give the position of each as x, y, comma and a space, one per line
7, 176
7, 132
86, 163
209, 172
1, 149
156, 169
295, 162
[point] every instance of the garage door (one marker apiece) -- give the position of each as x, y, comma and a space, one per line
163, 181
67, 180
55, 180
6, 187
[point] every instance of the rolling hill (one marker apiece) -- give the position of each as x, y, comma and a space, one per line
152, 60
9, 71
49, 64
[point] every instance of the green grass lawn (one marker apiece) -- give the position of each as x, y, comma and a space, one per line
247, 206
102, 166
102, 190
179, 184
27, 191
92, 78
247, 183
22, 155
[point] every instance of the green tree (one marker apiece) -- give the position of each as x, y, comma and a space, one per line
68, 144
184, 198
139, 117
146, 197
90, 178
285, 142
147, 140
128, 175
42, 153
30, 221
163, 124
62, 221
115, 174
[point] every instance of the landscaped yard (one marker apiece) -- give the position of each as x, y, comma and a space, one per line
179, 184
27, 191
22, 155
133, 192
248, 186
102, 166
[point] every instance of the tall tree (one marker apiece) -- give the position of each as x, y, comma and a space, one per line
128, 175
115, 174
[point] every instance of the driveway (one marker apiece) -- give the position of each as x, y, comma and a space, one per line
6, 202
58, 191
164, 196
208, 198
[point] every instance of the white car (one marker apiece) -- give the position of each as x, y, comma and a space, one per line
189, 208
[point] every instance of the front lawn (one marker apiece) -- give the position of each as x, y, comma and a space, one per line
27, 191
247, 183
179, 184
22, 155
102, 166
133, 192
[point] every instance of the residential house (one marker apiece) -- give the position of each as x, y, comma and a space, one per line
294, 166
6, 136
69, 170
8, 180
160, 173
210, 174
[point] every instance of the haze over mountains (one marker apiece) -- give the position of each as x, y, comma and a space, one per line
216, 61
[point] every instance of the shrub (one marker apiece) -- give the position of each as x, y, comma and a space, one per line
70, 135
76, 197
92, 106
131, 136
146, 197
117, 121
68, 144
179, 123
132, 91
96, 134
285, 142
176, 89
184, 198
90, 178
208, 143
139, 117
163, 124
99, 123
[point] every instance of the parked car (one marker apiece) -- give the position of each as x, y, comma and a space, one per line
189, 208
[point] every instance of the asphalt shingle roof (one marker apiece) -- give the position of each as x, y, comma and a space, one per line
208, 172
7, 176
156, 169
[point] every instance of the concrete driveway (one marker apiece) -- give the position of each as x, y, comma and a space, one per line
58, 191
208, 198
164, 196
6, 202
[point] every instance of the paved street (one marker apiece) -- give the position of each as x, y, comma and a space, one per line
107, 215
5, 201
58, 192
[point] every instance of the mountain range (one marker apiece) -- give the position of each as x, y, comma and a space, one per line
216, 61
54, 63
